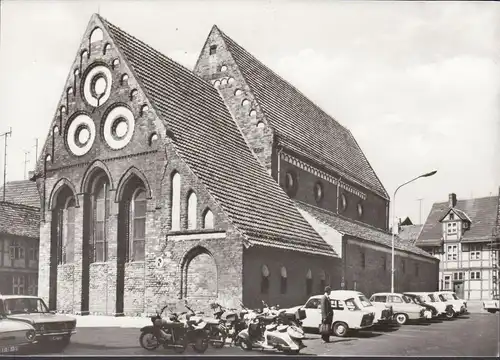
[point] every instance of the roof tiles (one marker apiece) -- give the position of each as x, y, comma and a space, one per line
299, 122
21, 192
209, 141
20, 220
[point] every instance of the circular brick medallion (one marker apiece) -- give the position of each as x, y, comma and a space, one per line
97, 85
81, 134
119, 127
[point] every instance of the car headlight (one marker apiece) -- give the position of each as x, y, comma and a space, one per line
41, 328
30, 335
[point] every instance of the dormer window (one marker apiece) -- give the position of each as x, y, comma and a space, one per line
213, 49
451, 228
452, 216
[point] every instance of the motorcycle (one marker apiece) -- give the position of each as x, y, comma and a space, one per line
232, 322
176, 333
283, 318
265, 334
216, 331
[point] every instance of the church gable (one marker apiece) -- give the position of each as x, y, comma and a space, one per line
103, 112
216, 65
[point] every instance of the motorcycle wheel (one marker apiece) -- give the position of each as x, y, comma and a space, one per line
245, 345
183, 342
220, 340
149, 341
200, 344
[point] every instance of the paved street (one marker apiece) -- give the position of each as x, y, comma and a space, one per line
472, 335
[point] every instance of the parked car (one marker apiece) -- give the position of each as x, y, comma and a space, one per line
15, 336
419, 300
50, 327
443, 308
493, 305
352, 311
459, 305
403, 307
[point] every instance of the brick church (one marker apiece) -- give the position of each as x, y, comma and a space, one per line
159, 184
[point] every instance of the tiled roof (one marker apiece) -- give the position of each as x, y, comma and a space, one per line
209, 141
20, 220
410, 232
481, 211
300, 123
360, 230
21, 192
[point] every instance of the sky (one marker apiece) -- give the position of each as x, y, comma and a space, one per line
417, 83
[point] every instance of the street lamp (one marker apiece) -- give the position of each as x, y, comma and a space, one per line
393, 222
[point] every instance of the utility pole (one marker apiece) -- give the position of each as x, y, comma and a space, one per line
9, 133
26, 161
36, 150
420, 211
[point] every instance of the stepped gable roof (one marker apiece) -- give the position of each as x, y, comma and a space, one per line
410, 232
300, 124
21, 192
482, 213
20, 220
209, 141
360, 230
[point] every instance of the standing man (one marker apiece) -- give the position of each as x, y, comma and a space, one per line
326, 315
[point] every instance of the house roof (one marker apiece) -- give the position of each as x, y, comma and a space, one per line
209, 141
410, 232
482, 213
360, 230
300, 124
20, 220
21, 192
463, 216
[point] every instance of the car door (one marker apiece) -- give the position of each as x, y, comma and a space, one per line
313, 313
396, 302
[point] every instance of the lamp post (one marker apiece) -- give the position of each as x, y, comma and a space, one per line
393, 221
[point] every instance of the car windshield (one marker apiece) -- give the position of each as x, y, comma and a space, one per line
455, 297
419, 299
432, 297
351, 305
24, 306
407, 299
364, 301
442, 298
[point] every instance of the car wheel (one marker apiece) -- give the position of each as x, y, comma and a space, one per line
450, 314
340, 329
491, 311
245, 345
401, 319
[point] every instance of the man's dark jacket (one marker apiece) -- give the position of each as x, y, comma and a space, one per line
326, 308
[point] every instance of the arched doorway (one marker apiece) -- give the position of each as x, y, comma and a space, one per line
199, 276
131, 232
62, 236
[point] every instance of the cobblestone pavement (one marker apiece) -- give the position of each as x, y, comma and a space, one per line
471, 335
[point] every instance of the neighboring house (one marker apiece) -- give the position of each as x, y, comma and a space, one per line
462, 234
406, 222
19, 241
157, 186
410, 233
22, 192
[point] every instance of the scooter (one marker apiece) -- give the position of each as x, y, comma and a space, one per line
230, 319
258, 335
216, 332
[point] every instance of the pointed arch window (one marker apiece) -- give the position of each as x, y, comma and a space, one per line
137, 224
322, 281
208, 220
176, 202
309, 282
67, 232
100, 219
192, 210
264, 280
283, 283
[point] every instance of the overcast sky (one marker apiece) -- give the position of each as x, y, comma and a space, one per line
417, 83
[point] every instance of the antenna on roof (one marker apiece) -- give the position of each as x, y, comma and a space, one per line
9, 133
420, 211
36, 150
99, 9
26, 161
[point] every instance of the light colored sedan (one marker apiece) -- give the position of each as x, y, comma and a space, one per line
403, 307
15, 336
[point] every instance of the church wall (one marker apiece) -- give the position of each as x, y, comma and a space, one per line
307, 175
297, 265
373, 274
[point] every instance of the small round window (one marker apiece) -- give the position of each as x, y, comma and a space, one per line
360, 210
343, 202
318, 192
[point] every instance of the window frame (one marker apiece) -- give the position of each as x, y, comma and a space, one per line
452, 228
453, 254
132, 218
475, 251
475, 275
100, 184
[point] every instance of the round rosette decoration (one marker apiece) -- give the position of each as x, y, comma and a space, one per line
97, 85
81, 134
119, 127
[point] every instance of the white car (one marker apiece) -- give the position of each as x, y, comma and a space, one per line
449, 297
493, 305
442, 307
403, 306
351, 311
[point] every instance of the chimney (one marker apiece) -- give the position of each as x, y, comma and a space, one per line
452, 200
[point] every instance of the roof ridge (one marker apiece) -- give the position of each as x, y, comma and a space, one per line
19, 205
280, 77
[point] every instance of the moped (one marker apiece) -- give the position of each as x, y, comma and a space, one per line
215, 329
